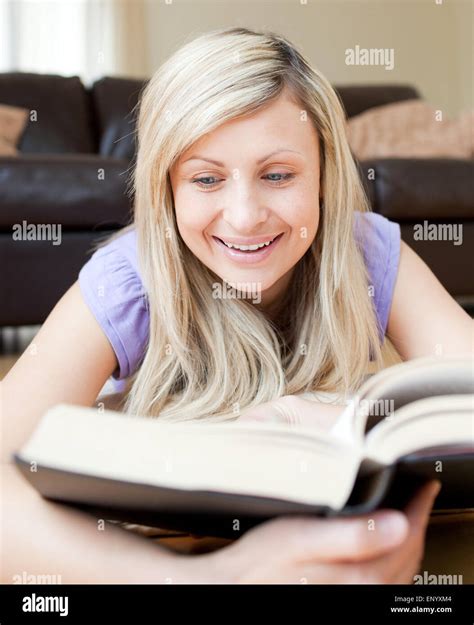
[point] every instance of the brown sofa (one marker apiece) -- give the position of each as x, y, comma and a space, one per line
73, 170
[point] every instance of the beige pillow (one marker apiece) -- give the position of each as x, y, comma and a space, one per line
13, 120
410, 129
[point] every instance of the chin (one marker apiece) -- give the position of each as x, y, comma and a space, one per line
250, 277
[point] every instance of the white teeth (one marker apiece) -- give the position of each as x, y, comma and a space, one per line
248, 247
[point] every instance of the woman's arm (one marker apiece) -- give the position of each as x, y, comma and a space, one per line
41, 537
69, 360
424, 319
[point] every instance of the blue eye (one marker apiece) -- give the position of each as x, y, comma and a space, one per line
282, 178
201, 181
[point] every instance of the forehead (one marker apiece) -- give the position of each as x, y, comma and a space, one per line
283, 121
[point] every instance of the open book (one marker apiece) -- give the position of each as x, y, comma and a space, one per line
410, 422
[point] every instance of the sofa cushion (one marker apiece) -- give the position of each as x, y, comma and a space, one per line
410, 129
114, 101
450, 259
41, 273
81, 192
359, 98
410, 189
63, 120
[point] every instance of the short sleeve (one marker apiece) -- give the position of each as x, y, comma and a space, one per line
380, 241
112, 288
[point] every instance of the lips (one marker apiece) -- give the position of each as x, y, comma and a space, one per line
249, 242
248, 256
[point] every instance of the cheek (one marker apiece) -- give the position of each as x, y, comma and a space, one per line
192, 217
303, 218
308, 225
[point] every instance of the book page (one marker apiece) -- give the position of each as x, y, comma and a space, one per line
444, 422
251, 459
395, 387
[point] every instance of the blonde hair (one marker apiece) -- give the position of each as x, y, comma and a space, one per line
210, 358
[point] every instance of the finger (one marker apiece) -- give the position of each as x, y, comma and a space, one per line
378, 556
285, 412
395, 567
264, 412
405, 561
364, 572
419, 508
345, 539
266, 417
292, 543
270, 412
418, 514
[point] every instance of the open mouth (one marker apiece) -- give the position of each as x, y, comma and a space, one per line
255, 249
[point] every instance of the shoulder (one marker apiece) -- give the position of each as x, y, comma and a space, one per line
111, 285
436, 324
379, 239
123, 245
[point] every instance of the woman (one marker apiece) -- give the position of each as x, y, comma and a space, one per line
240, 143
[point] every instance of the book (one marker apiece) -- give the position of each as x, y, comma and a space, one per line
408, 423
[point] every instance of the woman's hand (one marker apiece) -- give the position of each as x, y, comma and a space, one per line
295, 410
384, 547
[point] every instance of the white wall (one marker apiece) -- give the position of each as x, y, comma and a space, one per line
432, 43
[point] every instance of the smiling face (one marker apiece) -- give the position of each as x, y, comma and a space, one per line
253, 180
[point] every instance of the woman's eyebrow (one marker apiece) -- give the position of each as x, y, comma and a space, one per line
219, 164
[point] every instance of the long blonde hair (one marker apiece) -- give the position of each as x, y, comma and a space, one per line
210, 358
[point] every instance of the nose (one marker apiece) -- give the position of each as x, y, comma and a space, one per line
244, 211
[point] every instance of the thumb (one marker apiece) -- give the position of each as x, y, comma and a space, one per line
328, 540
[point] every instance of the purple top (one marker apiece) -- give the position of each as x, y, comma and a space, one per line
111, 286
